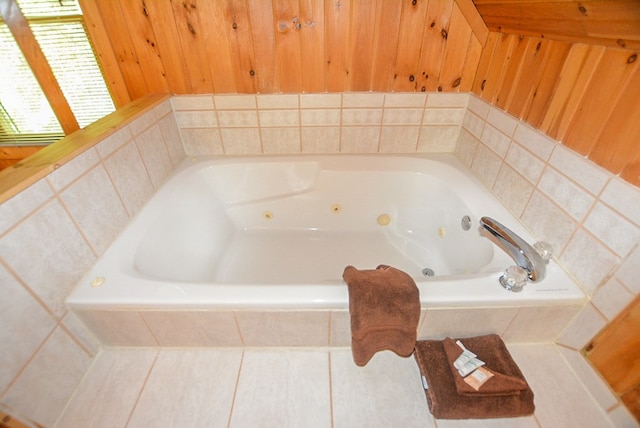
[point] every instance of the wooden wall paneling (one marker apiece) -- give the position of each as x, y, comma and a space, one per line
533, 62
574, 79
337, 25
617, 144
312, 45
289, 57
241, 45
385, 48
472, 59
215, 26
135, 20
544, 89
263, 27
497, 67
609, 79
456, 48
615, 352
160, 15
410, 36
434, 43
190, 37
19, 27
512, 70
105, 53
123, 48
484, 63
361, 43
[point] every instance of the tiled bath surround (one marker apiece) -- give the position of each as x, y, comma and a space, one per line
584, 211
50, 234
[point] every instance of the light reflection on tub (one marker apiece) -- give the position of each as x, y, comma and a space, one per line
278, 232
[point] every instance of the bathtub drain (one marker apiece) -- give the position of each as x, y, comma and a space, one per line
428, 272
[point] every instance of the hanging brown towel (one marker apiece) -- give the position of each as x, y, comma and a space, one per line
384, 305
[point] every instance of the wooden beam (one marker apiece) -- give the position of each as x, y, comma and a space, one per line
475, 21
30, 48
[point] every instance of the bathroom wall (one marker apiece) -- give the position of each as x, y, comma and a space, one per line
55, 229
50, 234
589, 215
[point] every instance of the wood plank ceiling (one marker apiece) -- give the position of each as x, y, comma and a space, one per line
603, 22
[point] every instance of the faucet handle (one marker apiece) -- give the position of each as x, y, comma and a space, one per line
544, 249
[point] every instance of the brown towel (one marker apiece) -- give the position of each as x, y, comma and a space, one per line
499, 384
384, 305
442, 397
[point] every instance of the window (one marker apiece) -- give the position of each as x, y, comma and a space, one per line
26, 115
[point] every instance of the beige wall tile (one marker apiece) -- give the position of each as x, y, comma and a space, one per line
629, 271
442, 99
466, 147
572, 198
50, 237
238, 118
539, 324
62, 177
277, 101
25, 325
502, 121
409, 99
129, 175
611, 298
202, 142
486, 165
114, 141
473, 123
323, 139
360, 139
172, 139
235, 102
534, 141
280, 140
117, 328
196, 119
362, 100
588, 260
192, 102
583, 328
320, 117
279, 118
581, 170
320, 101
154, 154
361, 116
462, 322
399, 139
438, 139
624, 198
478, 106
512, 189
241, 141
495, 140
97, 209
402, 116
548, 222
142, 123
193, 328
443, 116
523, 161
24, 203
45, 386
284, 328
614, 230
340, 328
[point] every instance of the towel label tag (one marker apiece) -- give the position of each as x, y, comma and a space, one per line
424, 383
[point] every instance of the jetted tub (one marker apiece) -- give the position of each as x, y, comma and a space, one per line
277, 232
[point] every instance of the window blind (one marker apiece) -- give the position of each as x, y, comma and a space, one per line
59, 30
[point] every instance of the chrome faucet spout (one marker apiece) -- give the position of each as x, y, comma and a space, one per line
522, 253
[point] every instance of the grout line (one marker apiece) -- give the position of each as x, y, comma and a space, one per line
235, 390
144, 385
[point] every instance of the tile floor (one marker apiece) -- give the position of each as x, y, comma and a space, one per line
299, 387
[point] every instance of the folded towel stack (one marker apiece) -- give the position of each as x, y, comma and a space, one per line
505, 394
384, 306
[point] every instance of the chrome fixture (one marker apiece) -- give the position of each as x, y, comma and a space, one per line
526, 256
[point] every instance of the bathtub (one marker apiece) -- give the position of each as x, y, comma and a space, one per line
277, 232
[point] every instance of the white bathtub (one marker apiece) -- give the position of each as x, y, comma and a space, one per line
276, 233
